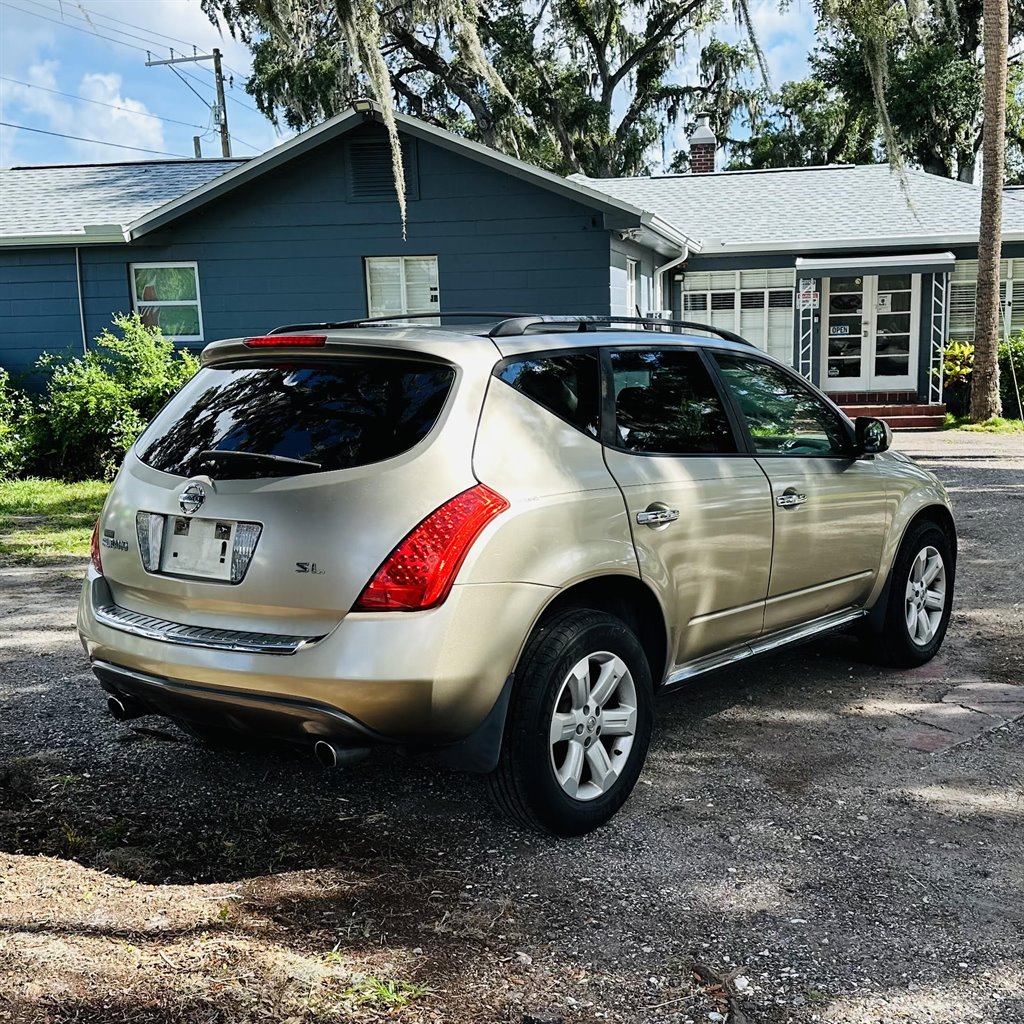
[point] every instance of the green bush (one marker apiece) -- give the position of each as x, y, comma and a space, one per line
1011, 398
957, 364
96, 405
15, 428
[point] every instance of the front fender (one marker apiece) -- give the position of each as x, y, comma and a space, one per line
910, 491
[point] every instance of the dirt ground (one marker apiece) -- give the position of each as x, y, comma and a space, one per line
813, 839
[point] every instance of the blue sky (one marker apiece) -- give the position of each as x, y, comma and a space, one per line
77, 67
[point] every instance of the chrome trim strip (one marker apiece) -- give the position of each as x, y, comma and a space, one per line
764, 644
738, 610
153, 628
822, 586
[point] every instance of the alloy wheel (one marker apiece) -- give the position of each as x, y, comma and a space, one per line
593, 725
925, 595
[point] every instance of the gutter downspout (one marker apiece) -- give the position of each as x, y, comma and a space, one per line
660, 272
81, 303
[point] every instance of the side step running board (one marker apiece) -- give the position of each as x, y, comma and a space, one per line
764, 644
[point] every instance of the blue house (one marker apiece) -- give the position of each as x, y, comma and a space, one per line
841, 271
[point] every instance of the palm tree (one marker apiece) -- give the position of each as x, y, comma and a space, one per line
985, 377
874, 23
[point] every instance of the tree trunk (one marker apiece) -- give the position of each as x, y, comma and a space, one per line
988, 326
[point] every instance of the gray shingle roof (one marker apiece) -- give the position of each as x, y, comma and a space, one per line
58, 201
803, 209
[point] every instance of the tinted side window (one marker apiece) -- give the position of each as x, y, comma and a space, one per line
666, 403
345, 413
567, 385
783, 416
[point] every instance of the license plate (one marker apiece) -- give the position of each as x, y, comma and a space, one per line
198, 547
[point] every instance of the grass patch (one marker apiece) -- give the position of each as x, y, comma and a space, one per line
996, 425
46, 522
384, 992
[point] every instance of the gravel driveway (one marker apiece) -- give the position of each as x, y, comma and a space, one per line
814, 839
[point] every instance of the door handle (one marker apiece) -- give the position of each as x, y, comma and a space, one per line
656, 515
790, 498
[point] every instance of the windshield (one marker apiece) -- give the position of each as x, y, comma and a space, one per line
349, 412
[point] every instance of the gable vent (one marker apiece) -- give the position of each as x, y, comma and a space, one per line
370, 170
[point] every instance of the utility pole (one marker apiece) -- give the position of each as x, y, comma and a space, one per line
220, 110
225, 139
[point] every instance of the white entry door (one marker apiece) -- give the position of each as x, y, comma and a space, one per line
870, 332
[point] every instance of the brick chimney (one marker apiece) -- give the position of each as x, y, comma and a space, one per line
703, 147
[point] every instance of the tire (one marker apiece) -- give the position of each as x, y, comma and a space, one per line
570, 655
901, 643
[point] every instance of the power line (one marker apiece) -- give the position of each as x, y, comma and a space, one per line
93, 30
187, 86
100, 103
142, 28
232, 98
255, 149
74, 28
88, 21
80, 138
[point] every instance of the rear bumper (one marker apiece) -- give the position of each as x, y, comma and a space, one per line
260, 714
419, 678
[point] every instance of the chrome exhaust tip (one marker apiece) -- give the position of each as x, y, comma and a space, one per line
123, 709
326, 753
331, 756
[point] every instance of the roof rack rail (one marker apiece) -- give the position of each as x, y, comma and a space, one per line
511, 325
520, 325
396, 320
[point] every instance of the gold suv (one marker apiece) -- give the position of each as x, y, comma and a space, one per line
491, 546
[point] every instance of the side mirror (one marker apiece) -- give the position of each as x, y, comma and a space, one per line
873, 435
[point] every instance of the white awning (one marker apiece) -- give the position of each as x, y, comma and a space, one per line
844, 266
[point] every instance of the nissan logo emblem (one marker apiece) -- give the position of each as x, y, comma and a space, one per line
192, 499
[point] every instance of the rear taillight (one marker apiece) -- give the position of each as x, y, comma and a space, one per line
288, 341
419, 573
94, 549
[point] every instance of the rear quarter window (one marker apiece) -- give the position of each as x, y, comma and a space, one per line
338, 415
566, 385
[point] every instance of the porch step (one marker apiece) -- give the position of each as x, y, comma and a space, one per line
902, 417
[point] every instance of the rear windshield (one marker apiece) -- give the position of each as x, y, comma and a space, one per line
264, 421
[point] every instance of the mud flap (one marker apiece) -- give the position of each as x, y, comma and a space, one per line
478, 752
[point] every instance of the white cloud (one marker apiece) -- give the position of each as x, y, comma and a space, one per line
127, 125
165, 24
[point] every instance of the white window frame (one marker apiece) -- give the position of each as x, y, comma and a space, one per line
368, 260
1011, 273
159, 303
632, 279
737, 290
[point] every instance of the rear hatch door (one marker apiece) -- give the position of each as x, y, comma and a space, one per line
266, 494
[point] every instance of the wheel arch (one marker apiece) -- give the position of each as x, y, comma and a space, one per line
938, 514
628, 598
934, 512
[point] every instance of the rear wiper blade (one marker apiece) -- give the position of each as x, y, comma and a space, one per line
216, 454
